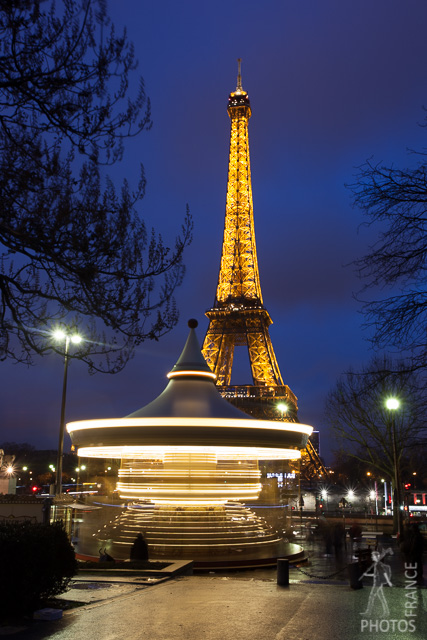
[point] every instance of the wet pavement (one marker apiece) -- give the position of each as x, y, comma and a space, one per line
318, 604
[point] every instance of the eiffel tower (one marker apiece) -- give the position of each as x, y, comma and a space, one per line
238, 316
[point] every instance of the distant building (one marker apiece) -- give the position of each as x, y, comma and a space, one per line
7, 478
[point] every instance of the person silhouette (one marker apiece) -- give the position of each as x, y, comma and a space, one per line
381, 573
139, 549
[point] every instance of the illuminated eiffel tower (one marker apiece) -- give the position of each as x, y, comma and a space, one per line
238, 316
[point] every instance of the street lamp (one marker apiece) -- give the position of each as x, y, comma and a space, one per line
75, 339
324, 494
283, 408
392, 405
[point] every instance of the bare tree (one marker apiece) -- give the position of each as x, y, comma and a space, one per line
73, 247
365, 428
397, 200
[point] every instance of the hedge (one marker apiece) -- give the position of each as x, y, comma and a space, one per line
37, 563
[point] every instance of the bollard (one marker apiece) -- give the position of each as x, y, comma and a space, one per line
283, 572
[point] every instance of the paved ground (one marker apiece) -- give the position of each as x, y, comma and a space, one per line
246, 605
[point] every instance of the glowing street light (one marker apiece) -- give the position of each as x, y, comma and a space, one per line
283, 408
61, 335
350, 494
392, 405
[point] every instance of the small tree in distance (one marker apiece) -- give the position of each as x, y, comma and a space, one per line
362, 424
73, 248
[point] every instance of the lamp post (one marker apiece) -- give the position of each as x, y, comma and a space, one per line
324, 494
385, 495
75, 339
392, 405
283, 408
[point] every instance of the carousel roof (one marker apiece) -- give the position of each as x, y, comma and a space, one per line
191, 391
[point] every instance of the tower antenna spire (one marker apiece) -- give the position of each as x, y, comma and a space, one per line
239, 75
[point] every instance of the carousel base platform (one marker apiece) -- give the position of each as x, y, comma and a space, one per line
229, 536
292, 552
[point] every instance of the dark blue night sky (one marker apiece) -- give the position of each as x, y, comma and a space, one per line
331, 84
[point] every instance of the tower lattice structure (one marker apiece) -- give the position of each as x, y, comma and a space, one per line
238, 316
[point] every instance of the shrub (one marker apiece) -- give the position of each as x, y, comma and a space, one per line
37, 562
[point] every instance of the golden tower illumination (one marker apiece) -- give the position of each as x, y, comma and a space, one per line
238, 317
